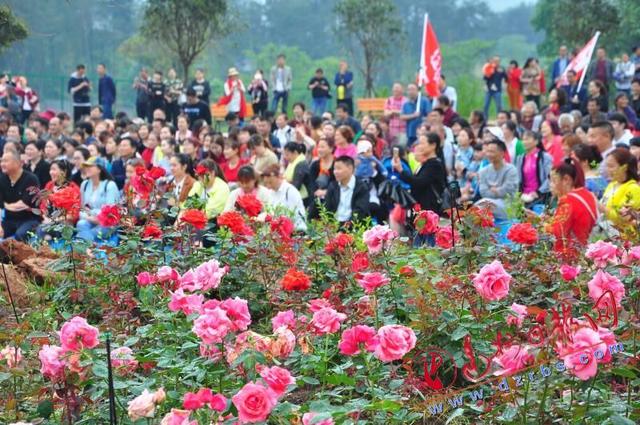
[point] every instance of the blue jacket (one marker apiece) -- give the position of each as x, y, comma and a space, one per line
106, 90
119, 172
572, 91
80, 97
556, 71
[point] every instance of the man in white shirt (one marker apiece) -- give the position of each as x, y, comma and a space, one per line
283, 195
621, 134
448, 91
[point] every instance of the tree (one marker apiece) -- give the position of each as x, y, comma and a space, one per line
13, 28
374, 27
185, 27
573, 22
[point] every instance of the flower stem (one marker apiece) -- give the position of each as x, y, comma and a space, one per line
542, 401
593, 382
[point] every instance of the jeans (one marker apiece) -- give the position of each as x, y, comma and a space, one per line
142, 110
107, 110
277, 95
318, 105
421, 240
497, 97
19, 229
92, 232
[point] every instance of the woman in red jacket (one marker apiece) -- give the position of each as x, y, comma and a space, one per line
577, 210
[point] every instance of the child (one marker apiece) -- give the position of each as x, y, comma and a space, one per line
468, 181
368, 166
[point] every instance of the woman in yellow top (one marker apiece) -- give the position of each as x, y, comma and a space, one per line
211, 188
622, 195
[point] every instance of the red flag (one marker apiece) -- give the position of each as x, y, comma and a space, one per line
430, 60
580, 62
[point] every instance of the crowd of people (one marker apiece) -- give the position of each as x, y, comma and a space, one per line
567, 153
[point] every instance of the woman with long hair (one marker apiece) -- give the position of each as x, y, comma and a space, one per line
530, 79
211, 188
247, 185
534, 166
36, 164
60, 178
621, 199
183, 179
552, 141
597, 91
344, 142
97, 190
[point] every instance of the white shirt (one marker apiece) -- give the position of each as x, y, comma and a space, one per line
344, 206
625, 138
288, 197
451, 93
279, 79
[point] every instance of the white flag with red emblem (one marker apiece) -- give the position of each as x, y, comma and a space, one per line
580, 62
430, 60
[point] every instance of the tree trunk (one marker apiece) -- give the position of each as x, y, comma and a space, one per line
186, 64
368, 78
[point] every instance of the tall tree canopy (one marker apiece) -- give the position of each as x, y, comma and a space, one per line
370, 27
185, 27
13, 29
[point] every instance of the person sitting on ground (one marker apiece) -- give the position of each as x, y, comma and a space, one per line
284, 195
247, 185
96, 191
343, 118
18, 197
211, 188
534, 167
347, 197
297, 170
577, 210
183, 179
622, 196
261, 154
36, 164
498, 180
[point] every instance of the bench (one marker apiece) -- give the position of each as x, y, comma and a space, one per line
219, 112
372, 106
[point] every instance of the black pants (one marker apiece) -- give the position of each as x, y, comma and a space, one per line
142, 110
19, 229
173, 110
79, 112
260, 108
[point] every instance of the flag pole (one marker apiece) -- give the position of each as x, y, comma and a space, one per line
584, 73
422, 61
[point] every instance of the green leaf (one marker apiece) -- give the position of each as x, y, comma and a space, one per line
459, 333
624, 372
309, 380
387, 405
341, 379
456, 413
45, 409
4, 376
620, 420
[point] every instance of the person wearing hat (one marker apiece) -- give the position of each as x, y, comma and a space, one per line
234, 94
96, 191
195, 108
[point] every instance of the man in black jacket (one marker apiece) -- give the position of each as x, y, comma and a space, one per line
347, 197
195, 108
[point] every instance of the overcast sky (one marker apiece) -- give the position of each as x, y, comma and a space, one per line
500, 5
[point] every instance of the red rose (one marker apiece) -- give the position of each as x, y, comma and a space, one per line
283, 226
445, 237
295, 280
201, 170
67, 199
195, 218
360, 262
407, 271
523, 233
249, 204
140, 170
142, 184
234, 221
156, 172
151, 231
426, 222
109, 216
338, 244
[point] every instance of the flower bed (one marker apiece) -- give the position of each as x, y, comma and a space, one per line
331, 327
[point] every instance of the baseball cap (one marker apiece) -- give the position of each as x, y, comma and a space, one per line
94, 160
364, 146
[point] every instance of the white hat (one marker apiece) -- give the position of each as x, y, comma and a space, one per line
232, 72
497, 132
364, 146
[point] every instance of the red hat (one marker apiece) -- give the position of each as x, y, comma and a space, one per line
48, 114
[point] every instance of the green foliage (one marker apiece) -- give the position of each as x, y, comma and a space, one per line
13, 28
374, 27
573, 22
184, 27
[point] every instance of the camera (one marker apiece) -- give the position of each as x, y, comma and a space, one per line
454, 190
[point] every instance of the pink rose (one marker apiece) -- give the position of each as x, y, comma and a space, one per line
372, 281
378, 237
514, 359
206, 276
178, 417
580, 356
247, 340
143, 406
520, 311
492, 282
568, 272
283, 318
166, 274
211, 352
307, 419
634, 253
238, 312
602, 253
277, 378
394, 341
603, 281
204, 397
145, 279
254, 403
52, 363
77, 334
188, 304
352, 338
159, 396
212, 326
188, 281
13, 355
446, 236
283, 344
318, 304
123, 361
327, 321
